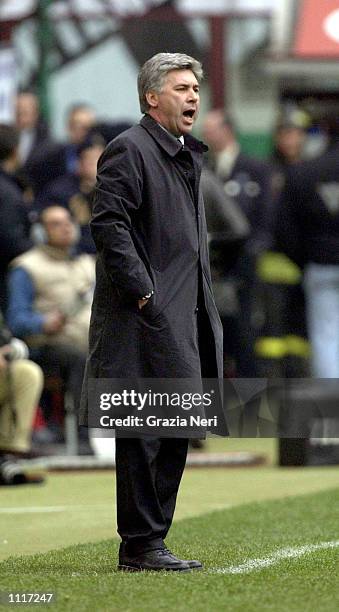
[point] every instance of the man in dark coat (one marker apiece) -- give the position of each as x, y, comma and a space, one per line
153, 312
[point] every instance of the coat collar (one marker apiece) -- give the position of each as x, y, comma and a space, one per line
170, 144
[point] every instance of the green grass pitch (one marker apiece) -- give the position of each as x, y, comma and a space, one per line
229, 519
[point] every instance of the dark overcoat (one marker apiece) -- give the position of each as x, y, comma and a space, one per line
150, 232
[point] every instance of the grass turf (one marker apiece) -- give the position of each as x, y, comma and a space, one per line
83, 504
84, 576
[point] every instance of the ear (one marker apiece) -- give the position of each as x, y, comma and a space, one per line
152, 99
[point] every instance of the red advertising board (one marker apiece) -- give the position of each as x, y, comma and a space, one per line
317, 29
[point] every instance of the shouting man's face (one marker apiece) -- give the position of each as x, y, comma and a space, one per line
176, 106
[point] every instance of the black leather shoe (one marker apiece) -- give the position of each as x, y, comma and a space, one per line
192, 563
152, 560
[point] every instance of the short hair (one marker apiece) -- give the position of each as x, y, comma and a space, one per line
152, 74
79, 106
28, 92
9, 140
51, 207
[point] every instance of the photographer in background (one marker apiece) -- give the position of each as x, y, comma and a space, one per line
20, 389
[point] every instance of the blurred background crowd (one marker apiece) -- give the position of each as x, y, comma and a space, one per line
271, 186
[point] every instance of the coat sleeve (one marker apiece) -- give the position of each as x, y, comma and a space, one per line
22, 319
117, 200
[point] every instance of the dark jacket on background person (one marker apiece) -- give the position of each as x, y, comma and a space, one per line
281, 347
249, 185
247, 182
14, 228
40, 140
150, 235
228, 230
227, 226
307, 221
39, 137
50, 161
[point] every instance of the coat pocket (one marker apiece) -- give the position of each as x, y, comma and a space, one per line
151, 311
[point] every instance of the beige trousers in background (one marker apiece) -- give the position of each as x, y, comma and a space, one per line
26, 381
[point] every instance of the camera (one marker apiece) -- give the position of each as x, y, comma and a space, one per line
18, 350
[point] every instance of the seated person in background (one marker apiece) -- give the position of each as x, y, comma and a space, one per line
20, 388
74, 190
50, 292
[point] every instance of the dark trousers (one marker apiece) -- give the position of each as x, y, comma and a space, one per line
148, 474
65, 361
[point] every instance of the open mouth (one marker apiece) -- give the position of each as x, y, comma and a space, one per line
189, 114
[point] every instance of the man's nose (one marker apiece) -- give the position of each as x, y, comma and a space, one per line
193, 95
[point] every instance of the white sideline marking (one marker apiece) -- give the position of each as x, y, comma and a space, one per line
42, 509
279, 555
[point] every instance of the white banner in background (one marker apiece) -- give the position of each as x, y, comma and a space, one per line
8, 85
19, 9
223, 7
16, 9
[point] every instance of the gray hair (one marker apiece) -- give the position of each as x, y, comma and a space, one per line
153, 73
